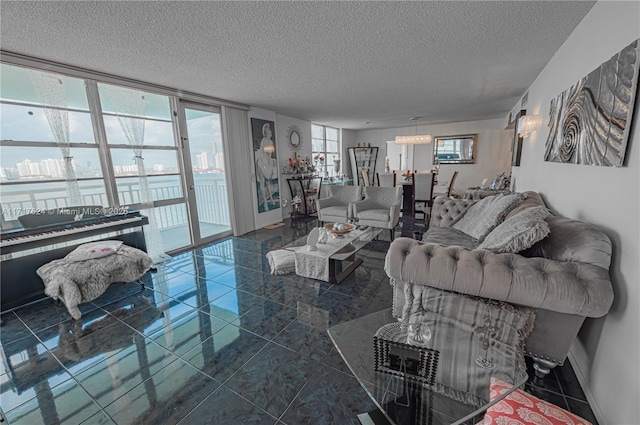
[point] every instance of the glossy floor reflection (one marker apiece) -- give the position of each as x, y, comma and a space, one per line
212, 338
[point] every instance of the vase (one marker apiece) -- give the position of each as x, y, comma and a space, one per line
336, 165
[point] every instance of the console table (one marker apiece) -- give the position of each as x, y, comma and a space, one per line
307, 188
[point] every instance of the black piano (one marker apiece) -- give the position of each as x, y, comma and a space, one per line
49, 235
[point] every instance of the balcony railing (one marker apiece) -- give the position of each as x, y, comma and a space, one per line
211, 196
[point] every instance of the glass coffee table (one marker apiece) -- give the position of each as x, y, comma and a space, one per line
326, 262
434, 382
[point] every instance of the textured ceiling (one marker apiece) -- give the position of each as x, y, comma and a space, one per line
335, 63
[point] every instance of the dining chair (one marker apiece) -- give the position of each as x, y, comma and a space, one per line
445, 189
386, 179
423, 193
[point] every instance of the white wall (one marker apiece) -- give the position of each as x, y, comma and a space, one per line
607, 351
492, 157
285, 151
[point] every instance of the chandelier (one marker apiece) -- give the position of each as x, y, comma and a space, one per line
417, 139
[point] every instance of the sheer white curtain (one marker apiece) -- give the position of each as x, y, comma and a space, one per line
130, 108
51, 91
239, 150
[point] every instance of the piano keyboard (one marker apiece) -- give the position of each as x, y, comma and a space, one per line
33, 238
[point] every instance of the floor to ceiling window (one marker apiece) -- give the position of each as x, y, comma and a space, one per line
69, 141
326, 146
49, 155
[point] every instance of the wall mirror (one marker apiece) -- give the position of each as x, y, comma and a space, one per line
294, 136
455, 149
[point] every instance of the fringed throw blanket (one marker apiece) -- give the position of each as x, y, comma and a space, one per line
476, 339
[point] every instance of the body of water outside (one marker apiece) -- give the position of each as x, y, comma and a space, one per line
212, 199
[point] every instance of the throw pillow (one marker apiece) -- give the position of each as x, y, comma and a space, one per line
93, 250
519, 232
281, 261
523, 408
483, 216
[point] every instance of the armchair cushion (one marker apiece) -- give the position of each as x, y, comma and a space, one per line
383, 196
345, 194
375, 214
336, 211
483, 216
337, 206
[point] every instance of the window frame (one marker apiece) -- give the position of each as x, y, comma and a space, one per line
324, 168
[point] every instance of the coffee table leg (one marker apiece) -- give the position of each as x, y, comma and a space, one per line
335, 279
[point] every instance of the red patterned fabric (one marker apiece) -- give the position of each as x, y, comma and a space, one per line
520, 408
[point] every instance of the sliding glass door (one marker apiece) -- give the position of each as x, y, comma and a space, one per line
205, 171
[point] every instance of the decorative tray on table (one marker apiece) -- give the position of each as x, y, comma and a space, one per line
339, 228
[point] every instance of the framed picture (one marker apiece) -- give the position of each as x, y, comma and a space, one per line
589, 123
266, 163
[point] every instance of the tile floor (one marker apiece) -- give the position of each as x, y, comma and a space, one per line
212, 339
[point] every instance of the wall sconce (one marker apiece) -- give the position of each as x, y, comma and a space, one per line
528, 124
269, 149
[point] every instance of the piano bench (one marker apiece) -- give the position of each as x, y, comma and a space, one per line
74, 281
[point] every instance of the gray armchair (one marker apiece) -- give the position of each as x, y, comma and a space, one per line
336, 207
380, 208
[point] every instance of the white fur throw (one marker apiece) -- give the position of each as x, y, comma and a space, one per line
75, 282
519, 232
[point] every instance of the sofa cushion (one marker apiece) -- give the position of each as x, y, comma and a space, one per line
518, 232
483, 216
520, 407
448, 236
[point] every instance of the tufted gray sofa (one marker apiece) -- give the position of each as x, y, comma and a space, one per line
564, 277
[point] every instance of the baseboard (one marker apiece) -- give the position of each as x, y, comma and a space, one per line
578, 356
